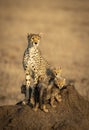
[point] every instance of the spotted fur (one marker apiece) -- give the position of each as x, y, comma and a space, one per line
33, 63
49, 90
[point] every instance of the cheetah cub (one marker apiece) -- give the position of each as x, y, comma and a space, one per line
49, 90
58, 79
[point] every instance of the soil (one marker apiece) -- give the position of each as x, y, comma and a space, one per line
71, 114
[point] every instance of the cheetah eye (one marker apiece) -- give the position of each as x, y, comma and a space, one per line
32, 38
38, 38
55, 73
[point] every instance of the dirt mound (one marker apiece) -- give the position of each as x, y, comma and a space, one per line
71, 114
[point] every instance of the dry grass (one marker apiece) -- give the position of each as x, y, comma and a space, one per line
65, 25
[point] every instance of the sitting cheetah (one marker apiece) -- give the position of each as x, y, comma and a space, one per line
34, 65
49, 90
58, 79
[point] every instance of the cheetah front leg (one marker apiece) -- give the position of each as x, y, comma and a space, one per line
33, 87
52, 101
27, 80
42, 97
58, 97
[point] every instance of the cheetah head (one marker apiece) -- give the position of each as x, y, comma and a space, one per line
33, 39
60, 82
57, 72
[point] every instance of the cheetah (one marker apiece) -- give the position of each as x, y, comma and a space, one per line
34, 65
49, 90
58, 79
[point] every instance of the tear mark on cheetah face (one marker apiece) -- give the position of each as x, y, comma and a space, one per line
33, 39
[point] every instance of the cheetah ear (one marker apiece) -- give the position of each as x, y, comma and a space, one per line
29, 35
54, 69
60, 69
41, 34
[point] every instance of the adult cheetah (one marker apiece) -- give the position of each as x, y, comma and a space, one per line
34, 64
